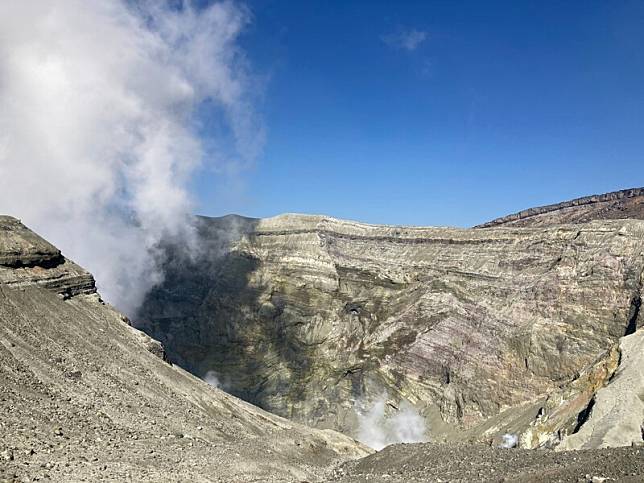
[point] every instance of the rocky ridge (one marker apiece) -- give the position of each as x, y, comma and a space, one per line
485, 332
617, 205
27, 259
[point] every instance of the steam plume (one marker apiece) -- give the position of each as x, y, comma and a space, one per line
509, 441
377, 430
211, 378
98, 129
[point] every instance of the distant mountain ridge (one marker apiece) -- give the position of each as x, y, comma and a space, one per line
617, 205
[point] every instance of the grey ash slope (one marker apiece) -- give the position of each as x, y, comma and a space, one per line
508, 329
84, 396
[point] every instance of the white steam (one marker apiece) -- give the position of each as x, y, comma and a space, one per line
509, 441
377, 430
98, 129
211, 378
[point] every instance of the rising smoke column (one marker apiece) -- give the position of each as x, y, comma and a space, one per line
98, 129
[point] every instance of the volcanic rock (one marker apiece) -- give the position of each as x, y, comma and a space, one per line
485, 331
616, 417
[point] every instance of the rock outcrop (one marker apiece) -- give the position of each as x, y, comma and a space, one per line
486, 332
618, 205
86, 397
26, 260
616, 417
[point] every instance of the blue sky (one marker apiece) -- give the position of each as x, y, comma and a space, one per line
439, 112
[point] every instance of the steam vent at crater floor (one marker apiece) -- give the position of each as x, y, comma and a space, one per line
517, 326
528, 325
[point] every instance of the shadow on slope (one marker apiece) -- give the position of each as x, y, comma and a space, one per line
212, 322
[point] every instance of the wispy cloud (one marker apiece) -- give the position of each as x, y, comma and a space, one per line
408, 39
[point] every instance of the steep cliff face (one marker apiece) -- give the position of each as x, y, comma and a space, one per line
484, 331
86, 397
618, 205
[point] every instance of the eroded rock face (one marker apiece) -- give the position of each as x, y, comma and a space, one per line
616, 416
307, 316
86, 397
21, 247
26, 260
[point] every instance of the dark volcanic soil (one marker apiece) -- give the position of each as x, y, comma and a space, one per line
459, 462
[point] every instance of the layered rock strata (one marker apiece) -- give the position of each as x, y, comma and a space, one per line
26, 260
484, 331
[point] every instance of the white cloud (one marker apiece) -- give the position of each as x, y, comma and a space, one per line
97, 124
407, 39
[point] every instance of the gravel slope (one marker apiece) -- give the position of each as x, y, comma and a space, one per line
457, 462
82, 399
